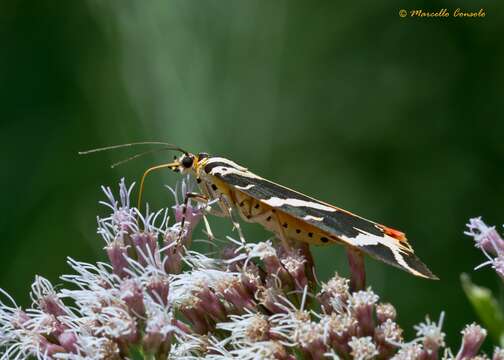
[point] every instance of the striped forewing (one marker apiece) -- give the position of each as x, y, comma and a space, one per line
368, 236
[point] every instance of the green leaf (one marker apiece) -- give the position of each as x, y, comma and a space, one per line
136, 353
487, 308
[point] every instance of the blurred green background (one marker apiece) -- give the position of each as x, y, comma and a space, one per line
400, 120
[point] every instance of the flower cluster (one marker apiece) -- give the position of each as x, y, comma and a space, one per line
156, 298
487, 239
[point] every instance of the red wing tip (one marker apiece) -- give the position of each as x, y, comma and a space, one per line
396, 234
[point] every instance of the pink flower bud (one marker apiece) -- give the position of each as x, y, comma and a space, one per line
387, 334
132, 295
295, 266
305, 252
334, 294
485, 237
196, 315
432, 337
49, 348
362, 305
269, 297
363, 348
228, 253
44, 295
181, 326
273, 266
410, 351
211, 304
385, 311
117, 254
473, 337
251, 279
310, 336
158, 334
145, 244
50, 304
340, 328
172, 252
19, 319
68, 340
236, 293
498, 354
158, 288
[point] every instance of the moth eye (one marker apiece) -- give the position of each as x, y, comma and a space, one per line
187, 162
202, 155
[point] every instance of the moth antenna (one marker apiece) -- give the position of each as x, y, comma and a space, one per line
138, 155
106, 148
147, 172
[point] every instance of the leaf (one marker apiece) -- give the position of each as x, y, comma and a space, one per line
136, 353
486, 306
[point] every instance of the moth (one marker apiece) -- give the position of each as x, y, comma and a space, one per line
292, 216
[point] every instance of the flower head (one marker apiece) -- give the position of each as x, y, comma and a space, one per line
485, 237
385, 311
411, 351
361, 305
431, 335
158, 297
473, 337
498, 354
334, 294
363, 348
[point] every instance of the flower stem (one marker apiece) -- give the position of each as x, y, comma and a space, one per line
357, 270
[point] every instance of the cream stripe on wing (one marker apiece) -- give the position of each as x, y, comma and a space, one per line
246, 187
226, 170
314, 218
222, 160
277, 202
365, 238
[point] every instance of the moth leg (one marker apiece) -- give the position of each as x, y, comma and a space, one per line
215, 211
202, 198
232, 216
189, 195
271, 214
208, 230
281, 234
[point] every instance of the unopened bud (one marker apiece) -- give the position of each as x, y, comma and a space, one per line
473, 337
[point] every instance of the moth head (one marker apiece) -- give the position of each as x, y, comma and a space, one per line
188, 162
183, 164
